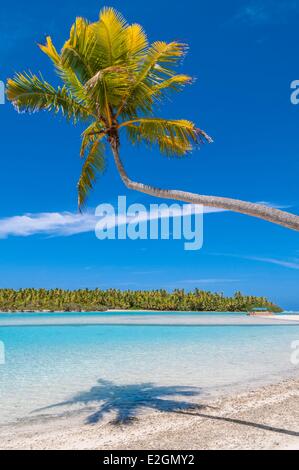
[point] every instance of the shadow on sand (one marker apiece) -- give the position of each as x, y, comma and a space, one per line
125, 402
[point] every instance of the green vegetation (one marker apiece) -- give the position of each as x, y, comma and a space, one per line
100, 300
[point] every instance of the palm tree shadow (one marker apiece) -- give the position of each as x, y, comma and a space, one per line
261, 426
127, 401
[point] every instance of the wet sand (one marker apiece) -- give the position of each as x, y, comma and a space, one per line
264, 418
152, 318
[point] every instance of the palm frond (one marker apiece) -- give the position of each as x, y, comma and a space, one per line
78, 49
161, 60
30, 93
93, 132
110, 34
93, 164
66, 73
158, 65
175, 84
174, 137
75, 86
136, 43
50, 50
108, 88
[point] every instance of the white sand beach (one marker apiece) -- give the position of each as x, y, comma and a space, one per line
290, 317
265, 418
151, 318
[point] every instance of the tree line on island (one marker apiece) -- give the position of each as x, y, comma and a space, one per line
94, 300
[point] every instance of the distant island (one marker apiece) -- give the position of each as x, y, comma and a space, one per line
96, 300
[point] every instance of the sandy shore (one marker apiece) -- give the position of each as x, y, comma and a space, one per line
153, 318
289, 317
265, 418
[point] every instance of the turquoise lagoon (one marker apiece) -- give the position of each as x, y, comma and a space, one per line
75, 361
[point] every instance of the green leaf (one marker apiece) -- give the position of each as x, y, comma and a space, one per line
31, 93
93, 164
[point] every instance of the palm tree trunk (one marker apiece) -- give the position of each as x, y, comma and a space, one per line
261, 211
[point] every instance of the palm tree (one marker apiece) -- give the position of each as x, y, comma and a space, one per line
97, 300
113, 79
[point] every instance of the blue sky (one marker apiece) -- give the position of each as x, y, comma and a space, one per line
242, 53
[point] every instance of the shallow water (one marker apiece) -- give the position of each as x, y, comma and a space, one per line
46, 365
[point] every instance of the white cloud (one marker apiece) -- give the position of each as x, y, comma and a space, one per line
66, 223
49, 223
72, 223
207, 281
291, 263
267, 11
